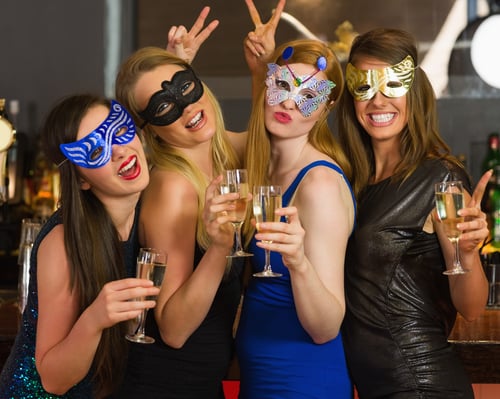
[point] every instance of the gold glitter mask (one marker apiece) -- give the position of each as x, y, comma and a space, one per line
392, 81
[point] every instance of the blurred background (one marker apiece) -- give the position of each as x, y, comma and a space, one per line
50, 49
55, 48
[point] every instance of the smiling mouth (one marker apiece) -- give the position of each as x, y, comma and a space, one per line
129, 168
195, 121
382, 118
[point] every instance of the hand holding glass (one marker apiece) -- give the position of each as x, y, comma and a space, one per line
151, 265
266, 199
236, 181
449, 200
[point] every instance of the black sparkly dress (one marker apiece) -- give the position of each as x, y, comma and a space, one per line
19, 377
399, 310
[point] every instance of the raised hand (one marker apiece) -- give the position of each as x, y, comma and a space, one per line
475, 228
186, 44
260, 43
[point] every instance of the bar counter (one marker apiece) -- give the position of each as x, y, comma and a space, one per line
478, 345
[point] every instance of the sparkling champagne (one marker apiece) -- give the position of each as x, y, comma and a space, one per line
239, 213
151, 265
266, 199
449, 200
448, 204
264, 209
151, 271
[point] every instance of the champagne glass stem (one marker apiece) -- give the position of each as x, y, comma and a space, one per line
141, 328
456, 262
457, 266
237, 237
267, 266
238, 250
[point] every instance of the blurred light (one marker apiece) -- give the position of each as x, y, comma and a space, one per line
485, 53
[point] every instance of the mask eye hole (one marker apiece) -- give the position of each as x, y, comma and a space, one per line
121, 131
187, 88
309, 94
163, 109
96, 153
363, 88
394, 84
283, 84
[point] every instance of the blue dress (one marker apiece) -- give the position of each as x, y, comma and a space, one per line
277, 358
19, 378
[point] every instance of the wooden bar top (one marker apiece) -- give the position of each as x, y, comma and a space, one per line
486, 329
478, 345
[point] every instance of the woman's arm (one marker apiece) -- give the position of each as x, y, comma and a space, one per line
169, 215
67, 341
469, 291
313, 245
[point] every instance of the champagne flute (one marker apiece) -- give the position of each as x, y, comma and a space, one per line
236, 181
151, 265
449, 200
266, 199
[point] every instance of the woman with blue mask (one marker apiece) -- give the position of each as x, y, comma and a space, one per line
71, 341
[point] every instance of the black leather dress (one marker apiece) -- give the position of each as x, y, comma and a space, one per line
399, 311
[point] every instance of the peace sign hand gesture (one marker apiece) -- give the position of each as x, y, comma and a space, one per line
260, 43
186, 44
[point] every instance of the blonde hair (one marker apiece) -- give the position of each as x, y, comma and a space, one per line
258, 148
160, 153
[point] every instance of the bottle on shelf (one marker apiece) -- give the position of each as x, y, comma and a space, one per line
15, 158
7, 138
492, 157
44, 202
490, 161
495, 210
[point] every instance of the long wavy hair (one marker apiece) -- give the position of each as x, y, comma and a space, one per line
321, 137
94, 259
160, 153
420, 139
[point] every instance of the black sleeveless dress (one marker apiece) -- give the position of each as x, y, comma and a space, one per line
196, 370
19, 377
399, 310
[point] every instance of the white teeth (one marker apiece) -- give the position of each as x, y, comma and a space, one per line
128, 166
195, 120
382, 118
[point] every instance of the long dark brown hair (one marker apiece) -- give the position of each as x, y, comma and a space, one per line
92, 243
420, 139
